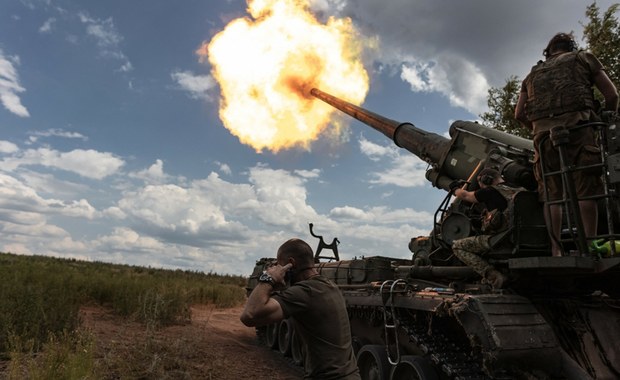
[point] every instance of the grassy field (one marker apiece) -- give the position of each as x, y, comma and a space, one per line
40, 299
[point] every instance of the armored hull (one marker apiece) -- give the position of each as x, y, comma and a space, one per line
445, 328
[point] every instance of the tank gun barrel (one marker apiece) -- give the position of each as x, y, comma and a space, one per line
450, 158
427, 145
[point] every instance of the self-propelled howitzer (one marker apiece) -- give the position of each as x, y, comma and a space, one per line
431, 317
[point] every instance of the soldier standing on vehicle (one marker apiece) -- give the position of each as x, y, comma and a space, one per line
316, 307
558, 92
495, 195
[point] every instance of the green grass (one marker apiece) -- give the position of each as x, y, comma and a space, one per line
40, 298
66, 356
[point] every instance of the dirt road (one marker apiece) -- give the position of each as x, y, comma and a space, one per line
238, 344
214, 346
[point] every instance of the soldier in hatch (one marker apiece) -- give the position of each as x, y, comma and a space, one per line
495, 195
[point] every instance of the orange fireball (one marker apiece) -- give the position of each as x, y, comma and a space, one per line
267, 64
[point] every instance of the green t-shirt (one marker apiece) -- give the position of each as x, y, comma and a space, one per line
319, 314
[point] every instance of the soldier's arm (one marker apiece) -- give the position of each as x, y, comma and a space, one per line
608, 89
465, 195
520, 110
601, 80
261, 309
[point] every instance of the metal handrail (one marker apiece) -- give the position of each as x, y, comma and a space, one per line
573, 213
393, 326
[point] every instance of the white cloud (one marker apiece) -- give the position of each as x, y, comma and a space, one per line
405, 171
47, 25
213, 211
46, 183
416, 74
41, 231
44, 239
130, 246
114, 213
8, 147
179, 214
25, 221
69, 248
281, 197
460, 81
223, 225
224, 168
10, 86
402, 170
231, 197
348, 212
108, 39
126, 67
314, 173
14, 195
87, 163
127, 240
17, 196
382, 215
103, 30
198, 86
153, 174
79, 208
56, 132
21, 217
375, 151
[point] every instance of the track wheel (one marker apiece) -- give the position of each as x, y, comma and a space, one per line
373, 362
284, 337
271, 336
297, 349
413, 368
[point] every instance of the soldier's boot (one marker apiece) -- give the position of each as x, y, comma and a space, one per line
495, 278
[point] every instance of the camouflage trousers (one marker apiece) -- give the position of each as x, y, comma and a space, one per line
469, 250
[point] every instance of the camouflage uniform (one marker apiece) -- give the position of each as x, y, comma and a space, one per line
468, 250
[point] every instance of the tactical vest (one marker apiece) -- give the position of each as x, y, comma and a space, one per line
559, 85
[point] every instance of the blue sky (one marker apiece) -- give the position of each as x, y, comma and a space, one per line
111, 148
